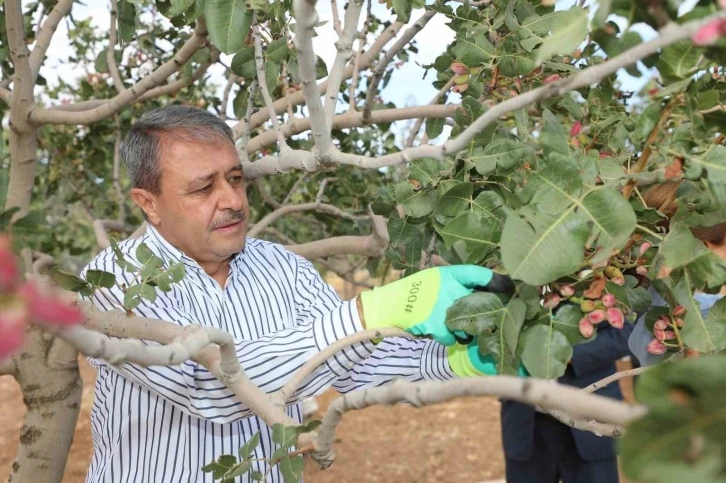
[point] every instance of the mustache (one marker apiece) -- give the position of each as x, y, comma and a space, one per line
230, 217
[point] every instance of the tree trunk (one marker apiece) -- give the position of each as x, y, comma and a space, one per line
23, 152
47, 371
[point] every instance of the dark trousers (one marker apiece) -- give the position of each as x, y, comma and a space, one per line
555, 457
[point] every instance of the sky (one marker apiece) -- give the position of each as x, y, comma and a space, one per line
407, 87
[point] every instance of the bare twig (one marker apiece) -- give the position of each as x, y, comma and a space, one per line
231, 79
336, 17
45, 34
298, 97
110, 52
300, 180
315, 206
615, 377
306, 18
419, 122
344, 47
407, 36
245, 123
286, 87
111, 106
281, 397
263, 83
362, 37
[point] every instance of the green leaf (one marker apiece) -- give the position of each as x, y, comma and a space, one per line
68, 281
702, 333
132, 298
425, 171
144, 254
471, 237
401, 231
569, 29
490, 205
554, 137
434, 127
680, 249
99, 278
238, 470
292, 468
402, 9
126, 21
475, 313
239, 103
646, 122
178, 7
503, 153
176, 272
415, 203
243, 63
545, 351
278, 50
321, 69
228, 22
473, 51
540, 247
246, 449
684, 425
678, 61
502, 344
4, 180
148, 292
455, 199
512, 61
714, 161
257, 476
283, 435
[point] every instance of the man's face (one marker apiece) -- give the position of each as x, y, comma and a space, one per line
202, 208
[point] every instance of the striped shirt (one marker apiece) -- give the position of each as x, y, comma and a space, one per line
154, 424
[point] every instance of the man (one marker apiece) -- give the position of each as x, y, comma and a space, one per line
154, 424
540, 449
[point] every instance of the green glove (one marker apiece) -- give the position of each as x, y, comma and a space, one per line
418, 303
467, 361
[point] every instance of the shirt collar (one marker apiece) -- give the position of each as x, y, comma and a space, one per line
171, 254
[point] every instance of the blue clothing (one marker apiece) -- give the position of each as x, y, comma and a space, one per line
641, 336
523, 434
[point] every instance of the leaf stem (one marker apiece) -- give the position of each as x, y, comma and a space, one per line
649, 231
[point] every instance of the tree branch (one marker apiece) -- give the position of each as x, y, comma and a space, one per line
245, 123
298, 98
231, 79
409, 34
307, 17
419, 121
284, 210
336, 17
45, 34
262, 82
111, 50
353, 119
344, 47
23, 79
362, 37
529, 391
282, 396
670, 34
100, 228
111, 106
614, 378
5, 95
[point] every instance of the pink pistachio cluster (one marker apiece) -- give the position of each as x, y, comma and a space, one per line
712, 31
665, 330
22, 303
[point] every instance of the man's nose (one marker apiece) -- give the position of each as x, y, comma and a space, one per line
232, 199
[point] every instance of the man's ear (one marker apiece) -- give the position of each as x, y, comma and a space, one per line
147, 202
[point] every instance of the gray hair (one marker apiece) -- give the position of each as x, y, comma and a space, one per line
141, 149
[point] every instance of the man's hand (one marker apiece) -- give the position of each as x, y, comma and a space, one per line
467, 361
418, 303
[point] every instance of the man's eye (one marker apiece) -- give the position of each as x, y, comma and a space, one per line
236, 179
206, 189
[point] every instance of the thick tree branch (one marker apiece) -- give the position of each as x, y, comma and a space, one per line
336, 17
111, 50
407, 36
111, 106
530, 391
344, 47
306, 18
261, 80
101, 227
353, 119
298, 98
45, 34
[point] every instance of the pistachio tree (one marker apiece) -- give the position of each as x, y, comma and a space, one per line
531, 159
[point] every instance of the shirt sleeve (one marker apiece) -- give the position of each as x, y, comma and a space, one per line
269, 362
366, 364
